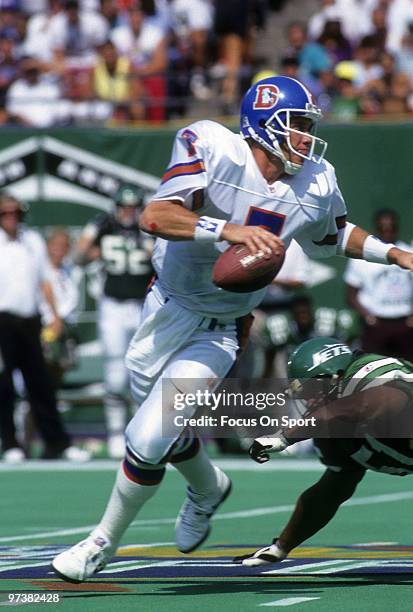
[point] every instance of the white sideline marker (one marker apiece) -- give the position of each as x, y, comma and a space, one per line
288, 601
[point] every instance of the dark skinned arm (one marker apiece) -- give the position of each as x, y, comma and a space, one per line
317, 506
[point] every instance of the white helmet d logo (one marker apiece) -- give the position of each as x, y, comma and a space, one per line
266, 97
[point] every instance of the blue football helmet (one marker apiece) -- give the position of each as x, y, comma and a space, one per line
266, 112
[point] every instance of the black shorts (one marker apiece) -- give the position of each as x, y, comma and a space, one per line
232, 17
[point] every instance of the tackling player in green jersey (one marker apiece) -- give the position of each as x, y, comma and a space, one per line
363, 406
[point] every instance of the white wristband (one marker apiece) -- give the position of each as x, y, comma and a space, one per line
209, 229
375, 250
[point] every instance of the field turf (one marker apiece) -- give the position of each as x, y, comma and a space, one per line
363, 560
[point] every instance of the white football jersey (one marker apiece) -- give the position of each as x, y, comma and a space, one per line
384, 291
213, 172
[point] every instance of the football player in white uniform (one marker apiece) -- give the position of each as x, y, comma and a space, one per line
266, 186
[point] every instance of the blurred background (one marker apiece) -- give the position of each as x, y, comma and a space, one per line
92, 93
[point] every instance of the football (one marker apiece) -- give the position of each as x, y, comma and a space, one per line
240, 271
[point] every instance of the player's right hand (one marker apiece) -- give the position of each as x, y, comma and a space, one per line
254, 237
261, 448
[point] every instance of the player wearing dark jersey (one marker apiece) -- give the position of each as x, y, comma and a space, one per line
363, 412
124, 251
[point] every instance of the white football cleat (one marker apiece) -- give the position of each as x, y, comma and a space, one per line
14, 455
83, 560
76, 454
263, 556
193, 523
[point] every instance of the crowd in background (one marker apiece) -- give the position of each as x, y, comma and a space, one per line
356, 56
65, 62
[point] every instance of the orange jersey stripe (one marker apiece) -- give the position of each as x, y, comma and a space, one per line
183, 170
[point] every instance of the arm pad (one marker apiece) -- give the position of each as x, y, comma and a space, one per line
342, 238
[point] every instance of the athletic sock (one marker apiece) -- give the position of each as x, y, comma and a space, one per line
134, 486
195, 465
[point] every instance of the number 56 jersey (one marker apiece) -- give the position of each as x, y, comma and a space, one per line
126, 256
213, 172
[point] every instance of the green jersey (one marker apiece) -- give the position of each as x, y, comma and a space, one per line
388, 455
370, 371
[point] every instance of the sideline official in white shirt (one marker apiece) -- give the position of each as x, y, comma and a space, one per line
383, 296
23, 271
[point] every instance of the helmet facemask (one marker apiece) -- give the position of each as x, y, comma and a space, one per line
276, 127
129, 199
312, 393
128, 220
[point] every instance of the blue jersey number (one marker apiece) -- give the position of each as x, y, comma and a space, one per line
271, 221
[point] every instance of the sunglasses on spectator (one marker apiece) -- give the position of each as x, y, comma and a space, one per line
16, 212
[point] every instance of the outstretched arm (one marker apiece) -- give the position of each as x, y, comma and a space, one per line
317, 506
314, 509
359, 244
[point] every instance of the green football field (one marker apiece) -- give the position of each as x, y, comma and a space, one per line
362, 561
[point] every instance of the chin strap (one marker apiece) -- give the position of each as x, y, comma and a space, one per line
291, 168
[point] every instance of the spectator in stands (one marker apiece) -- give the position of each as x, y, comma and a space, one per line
379, 28
354, 16
345, 103
32, 7
33, 99
74, 34
113, 84
144, 42
336, 44
60, 349
366, 61
392, 90
38, 41
23, 273
10, 20
234, 26
400, 16
191, 23
313, 58
405, 54
109, 9
383, 296
9, 66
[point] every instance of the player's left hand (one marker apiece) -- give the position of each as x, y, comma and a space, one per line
261, 448
404, 259
263, 556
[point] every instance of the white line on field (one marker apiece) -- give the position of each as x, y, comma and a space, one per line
358, 501
375, 544
288, 601
303, 568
